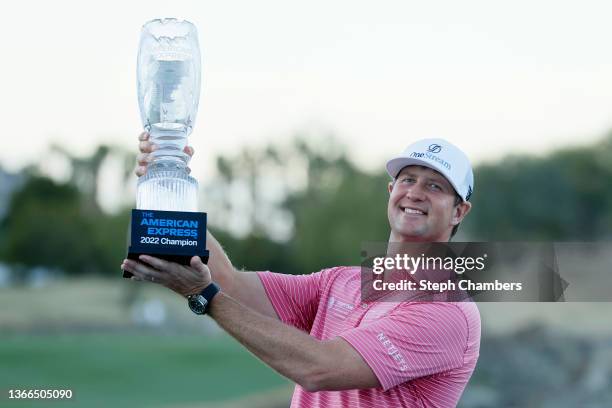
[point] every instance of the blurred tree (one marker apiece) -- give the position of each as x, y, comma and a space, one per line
340, 208
332, 206
61, 225
303, 206
85, 172
46, 226
563, 196
255, 253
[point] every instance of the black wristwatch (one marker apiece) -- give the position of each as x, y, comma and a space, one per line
200, 302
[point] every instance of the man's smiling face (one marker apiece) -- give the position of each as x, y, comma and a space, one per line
422, 206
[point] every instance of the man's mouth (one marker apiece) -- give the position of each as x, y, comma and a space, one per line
414, 211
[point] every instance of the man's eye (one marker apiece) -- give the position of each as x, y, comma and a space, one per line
407, 180
434, 186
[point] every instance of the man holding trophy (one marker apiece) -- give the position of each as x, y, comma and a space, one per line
315, 329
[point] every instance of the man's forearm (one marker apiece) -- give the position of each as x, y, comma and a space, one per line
291, 352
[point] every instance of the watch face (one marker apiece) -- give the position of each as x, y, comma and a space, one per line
197, 304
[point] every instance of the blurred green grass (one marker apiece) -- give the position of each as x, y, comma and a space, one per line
81, 302
127, 370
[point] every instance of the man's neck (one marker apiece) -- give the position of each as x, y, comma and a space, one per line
411, 246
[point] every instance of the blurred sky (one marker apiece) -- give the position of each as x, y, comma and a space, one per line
494, 77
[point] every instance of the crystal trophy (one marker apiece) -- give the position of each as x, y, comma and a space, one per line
166, 222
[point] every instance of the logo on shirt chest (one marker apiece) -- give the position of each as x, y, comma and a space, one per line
339, 307
378, 311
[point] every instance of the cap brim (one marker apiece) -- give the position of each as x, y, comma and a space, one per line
394, 166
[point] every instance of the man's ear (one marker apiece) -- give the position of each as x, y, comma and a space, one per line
460, 211
390, 186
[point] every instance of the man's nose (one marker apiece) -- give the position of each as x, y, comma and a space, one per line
416, 192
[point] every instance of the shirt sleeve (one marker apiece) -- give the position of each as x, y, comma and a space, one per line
416, 340
295, 298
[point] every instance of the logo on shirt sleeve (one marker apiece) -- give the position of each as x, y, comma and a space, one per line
392, 351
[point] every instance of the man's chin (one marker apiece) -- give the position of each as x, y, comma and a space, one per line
411, 235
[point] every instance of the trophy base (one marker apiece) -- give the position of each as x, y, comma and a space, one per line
175, 236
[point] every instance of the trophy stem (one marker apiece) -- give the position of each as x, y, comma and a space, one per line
170, 145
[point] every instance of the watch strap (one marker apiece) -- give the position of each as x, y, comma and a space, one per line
209, 293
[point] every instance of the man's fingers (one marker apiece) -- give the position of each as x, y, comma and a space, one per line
140, 170
146, 146
143, 136
197, 264
147, 272
189, 150
154, 262
142, 271
143, 159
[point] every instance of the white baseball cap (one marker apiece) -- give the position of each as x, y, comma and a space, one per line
439, 155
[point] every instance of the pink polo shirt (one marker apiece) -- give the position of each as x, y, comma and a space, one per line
423, 353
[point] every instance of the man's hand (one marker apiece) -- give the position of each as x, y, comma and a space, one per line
184, 280
147, 147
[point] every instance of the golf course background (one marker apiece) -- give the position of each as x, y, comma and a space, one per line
77, 335
68, 319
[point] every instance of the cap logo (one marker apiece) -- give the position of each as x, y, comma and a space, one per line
434, 148
432, 157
